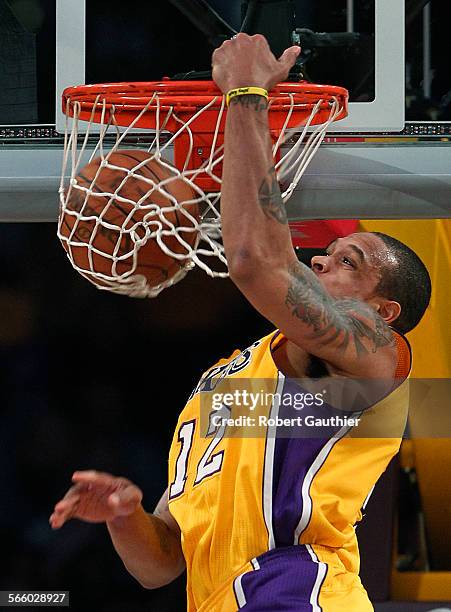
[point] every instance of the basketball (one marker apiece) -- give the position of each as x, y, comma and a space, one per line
111, 234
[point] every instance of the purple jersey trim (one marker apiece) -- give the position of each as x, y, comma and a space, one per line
297, 458
293, 457
288, 580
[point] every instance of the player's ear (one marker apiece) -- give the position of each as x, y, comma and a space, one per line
389, 310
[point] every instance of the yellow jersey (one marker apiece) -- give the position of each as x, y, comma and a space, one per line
268, 518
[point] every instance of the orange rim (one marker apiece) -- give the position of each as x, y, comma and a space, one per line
186, 98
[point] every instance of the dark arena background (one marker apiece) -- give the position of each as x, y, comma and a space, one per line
94, 381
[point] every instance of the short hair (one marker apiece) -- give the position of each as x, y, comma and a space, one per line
406, 282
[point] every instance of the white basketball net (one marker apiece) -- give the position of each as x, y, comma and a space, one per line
156, 224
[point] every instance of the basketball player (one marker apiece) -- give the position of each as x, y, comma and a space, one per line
267, 523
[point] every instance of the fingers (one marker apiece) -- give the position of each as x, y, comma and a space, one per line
93, 477
94, 497
103, 483
99, 482
249, 59
84, 481
241, 38
124, 499
289, 57
64, 510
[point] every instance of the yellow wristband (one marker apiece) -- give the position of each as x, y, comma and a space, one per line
245, 91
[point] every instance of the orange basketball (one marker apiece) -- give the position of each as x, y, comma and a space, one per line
110, 234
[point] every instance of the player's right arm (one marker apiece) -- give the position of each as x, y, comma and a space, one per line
148, 544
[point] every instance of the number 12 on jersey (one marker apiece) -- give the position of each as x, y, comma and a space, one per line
209, 463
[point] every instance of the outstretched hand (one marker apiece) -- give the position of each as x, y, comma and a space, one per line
96, 497
246, 61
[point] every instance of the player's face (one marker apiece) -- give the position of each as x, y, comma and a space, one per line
352, 266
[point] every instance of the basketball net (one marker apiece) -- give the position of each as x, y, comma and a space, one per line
293, 149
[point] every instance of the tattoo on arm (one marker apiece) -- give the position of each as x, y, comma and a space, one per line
254, 101
332, 319
270, 198
269, 195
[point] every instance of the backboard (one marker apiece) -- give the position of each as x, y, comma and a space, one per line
390, 159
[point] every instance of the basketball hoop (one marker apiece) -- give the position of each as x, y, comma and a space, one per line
189, 116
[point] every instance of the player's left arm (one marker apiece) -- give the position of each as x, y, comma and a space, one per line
348, 334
